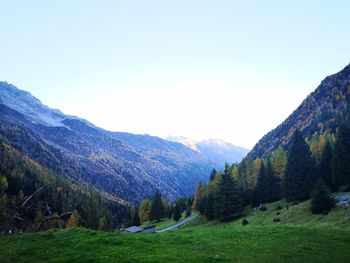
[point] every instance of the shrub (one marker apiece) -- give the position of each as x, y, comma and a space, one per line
245, 222
279, 208
276, 219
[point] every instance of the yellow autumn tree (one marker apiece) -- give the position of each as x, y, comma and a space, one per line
145, 210
73, 221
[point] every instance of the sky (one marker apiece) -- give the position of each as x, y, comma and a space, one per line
232, 70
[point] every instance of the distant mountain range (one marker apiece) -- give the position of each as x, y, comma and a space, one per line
122, 166
218, 151
324, 109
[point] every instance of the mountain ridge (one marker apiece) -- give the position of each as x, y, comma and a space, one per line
323, 109
218, 150
123, 165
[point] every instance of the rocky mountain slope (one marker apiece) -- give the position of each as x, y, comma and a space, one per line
120, 165
222, 152
218, 151
323, 109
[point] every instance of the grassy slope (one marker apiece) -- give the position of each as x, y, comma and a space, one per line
298, 215
300, 237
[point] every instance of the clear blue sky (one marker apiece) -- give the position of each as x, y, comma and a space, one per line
225, 69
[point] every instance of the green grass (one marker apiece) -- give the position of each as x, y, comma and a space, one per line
300, 237
298, 215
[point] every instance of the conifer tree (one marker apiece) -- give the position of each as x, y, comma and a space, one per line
227, 201
135, 217
326, 167
157, 207
342, 149
209, 211
259, 191
198, 203
321, 200
273, 190
177, 212
212, 175
300, 170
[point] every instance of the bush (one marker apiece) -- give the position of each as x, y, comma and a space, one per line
262, 208
276, 219
278, 213
279, 208
245, 222
321, 199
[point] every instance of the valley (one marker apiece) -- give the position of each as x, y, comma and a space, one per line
175, 131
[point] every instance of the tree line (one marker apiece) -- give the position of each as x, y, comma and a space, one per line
309, 168
158, 209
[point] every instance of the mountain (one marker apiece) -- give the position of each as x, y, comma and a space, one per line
218, 151
222, 152
120, 165
189, 142
324, 109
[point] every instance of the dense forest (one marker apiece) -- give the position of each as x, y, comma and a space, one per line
310, 168
33, 198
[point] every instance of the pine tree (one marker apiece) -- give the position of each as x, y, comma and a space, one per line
198, 203
227, 201
181, 203
177, 212
342, 150
300, 170
326, 167
209, 211
259, 191
268, 188
273, 190
212, 175
321, 200
157, 207
145, 210
135, 217
242, 180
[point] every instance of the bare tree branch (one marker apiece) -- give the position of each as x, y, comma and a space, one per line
61, 217
34, 194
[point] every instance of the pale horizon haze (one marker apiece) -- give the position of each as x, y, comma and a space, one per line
232, 70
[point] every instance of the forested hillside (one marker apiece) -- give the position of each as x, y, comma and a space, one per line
323, 110
119, 165
31, 196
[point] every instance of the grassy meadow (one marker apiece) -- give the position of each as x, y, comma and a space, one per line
298, 237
